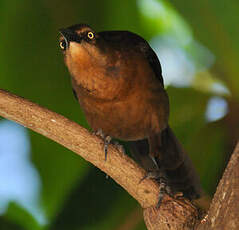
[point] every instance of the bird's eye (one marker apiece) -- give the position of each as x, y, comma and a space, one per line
90, 35
63, 45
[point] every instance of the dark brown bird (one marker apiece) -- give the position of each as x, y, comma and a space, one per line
117, 79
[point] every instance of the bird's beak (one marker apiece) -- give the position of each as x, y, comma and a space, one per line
69, 35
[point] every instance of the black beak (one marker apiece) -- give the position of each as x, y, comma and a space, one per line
70, 35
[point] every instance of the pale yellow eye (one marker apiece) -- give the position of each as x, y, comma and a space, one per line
63, 45
90, 35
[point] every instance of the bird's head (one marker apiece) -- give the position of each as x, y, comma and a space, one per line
80, 44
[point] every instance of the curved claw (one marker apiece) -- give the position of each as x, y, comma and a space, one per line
107, 141
99, 133
150, 175
163, 187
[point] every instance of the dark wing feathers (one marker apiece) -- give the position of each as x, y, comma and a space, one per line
130, 39
155, 64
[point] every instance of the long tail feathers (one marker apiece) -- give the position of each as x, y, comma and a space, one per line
180, 173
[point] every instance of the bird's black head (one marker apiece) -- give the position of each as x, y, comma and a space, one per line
77, 33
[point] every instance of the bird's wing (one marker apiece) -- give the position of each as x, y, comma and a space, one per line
152, 59
131, 40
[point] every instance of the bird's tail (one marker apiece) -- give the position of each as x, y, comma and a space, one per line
178, 168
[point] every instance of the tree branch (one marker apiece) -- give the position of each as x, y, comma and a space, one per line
224, 209
172, 214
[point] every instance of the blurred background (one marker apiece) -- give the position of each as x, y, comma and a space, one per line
45, 186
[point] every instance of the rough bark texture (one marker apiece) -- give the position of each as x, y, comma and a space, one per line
224, 210
178, 214
173, 214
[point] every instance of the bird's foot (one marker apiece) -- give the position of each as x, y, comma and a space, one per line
107, 140
118, 146
99, 133
164, 188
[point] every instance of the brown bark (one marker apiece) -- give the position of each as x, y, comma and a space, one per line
173, 213
224, 210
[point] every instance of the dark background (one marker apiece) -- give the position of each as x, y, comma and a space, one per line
45, 186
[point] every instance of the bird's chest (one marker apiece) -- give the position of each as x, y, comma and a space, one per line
126, 120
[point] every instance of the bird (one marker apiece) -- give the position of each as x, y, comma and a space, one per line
117, 79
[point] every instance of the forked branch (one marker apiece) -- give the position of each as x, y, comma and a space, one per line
172, 214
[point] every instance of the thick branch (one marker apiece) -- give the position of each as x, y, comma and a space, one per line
69, 134
224, 210
173, 214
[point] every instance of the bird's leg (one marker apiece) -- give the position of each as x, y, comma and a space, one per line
106, 139
164, 188
157, 173
154, 171
154, 161
154, 148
